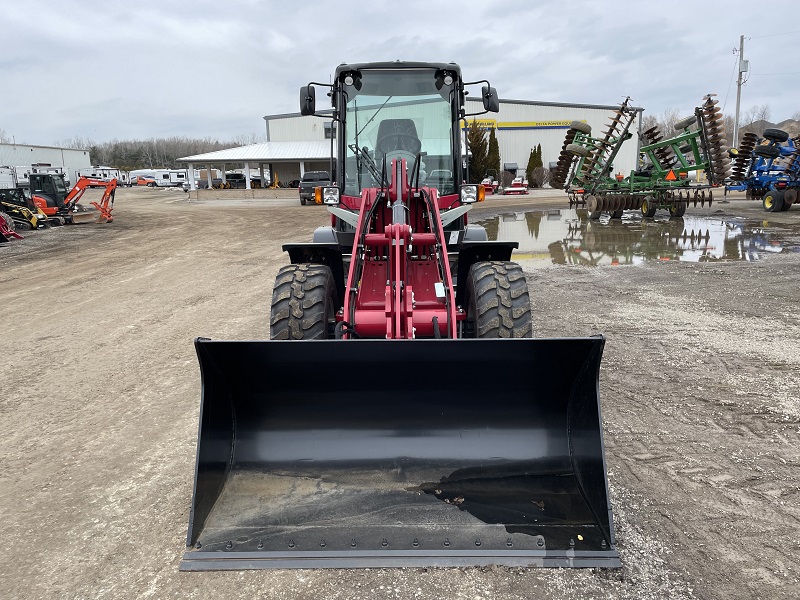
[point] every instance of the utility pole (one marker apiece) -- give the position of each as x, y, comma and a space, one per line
744, 66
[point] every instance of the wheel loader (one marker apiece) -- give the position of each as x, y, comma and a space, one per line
401, 413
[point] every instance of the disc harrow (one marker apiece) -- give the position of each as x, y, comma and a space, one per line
665, 154
768, 169
743, 156
663, 182
561, 170
714, 126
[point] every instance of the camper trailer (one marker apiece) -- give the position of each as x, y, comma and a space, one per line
22, 174
170, 177
8, 178
102, 174
46, 168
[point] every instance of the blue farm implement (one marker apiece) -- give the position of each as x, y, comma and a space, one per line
667, 177
768, 169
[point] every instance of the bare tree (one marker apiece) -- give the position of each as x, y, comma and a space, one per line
246, 140
540, 177
4, 139
649, 121
728, 121
76, 143
755, 119
668, 120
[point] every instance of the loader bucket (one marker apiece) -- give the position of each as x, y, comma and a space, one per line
378, 453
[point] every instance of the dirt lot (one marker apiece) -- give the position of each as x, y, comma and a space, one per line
699, 385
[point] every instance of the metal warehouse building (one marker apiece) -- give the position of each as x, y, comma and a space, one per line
18, 155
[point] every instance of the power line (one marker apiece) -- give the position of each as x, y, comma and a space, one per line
763, 74
757, 37
735, 64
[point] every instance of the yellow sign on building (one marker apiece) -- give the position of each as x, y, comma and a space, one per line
494, 124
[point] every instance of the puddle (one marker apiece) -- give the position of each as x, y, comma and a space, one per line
568, 237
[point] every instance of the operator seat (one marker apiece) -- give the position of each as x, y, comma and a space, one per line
397, 138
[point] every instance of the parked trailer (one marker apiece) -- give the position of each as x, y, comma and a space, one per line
8, 178
100, 173
170, 177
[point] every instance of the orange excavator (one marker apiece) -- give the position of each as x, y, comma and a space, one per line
49, 193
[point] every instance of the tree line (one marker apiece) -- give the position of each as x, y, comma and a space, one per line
153, 153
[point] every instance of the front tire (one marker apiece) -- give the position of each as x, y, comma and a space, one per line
498, 304
303, 303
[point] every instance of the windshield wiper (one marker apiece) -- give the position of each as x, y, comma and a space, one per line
373, 116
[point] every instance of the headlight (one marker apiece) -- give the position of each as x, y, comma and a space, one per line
472, 193
326, 195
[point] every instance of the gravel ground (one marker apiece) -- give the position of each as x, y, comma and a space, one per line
699, 387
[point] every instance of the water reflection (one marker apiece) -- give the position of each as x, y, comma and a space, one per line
567, 236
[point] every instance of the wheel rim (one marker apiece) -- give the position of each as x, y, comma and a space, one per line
768, 202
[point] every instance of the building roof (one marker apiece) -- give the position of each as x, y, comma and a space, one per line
268, 152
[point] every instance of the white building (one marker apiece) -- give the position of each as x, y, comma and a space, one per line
21, 155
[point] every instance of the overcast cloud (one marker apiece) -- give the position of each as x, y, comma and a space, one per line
136, 70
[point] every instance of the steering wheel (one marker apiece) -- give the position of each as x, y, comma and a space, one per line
398, 141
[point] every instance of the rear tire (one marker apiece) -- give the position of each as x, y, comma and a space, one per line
776, 135
684, 123
581, 126
498, 304
302, 201
767, 151
303, 303
577, 150
773, 201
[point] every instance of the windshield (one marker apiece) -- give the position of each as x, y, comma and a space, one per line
398, 114
59, 182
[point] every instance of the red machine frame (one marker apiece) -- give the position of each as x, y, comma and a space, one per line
406, 253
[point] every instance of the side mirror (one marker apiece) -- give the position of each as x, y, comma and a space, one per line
491, 102
308, 103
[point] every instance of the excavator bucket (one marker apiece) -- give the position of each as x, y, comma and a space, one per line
84, 215
379, 453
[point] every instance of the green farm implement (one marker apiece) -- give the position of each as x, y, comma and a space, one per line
668, 177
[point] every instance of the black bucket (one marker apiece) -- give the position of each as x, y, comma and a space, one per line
377, 453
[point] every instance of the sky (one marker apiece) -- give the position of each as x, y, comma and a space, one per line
104, 71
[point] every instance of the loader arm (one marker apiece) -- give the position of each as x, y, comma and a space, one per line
393, 263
